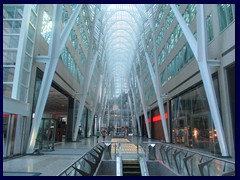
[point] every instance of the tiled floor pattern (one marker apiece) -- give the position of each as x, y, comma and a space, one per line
126, 146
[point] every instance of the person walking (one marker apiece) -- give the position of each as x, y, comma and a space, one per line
98, 134
104, 134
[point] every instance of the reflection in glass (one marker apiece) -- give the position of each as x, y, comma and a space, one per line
192, 125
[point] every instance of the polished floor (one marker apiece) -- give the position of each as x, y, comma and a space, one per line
51, 163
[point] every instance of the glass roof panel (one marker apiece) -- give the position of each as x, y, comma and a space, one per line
122, 26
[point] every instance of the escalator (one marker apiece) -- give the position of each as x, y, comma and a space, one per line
131, 168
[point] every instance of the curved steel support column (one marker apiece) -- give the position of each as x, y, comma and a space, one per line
155, 78
131, 110
207, 79
94, 105
88, 76
49, 72
142, 97
159, 98
84, 97
136, 112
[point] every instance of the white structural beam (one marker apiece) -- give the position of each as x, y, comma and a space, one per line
136, 112
49, 71
186, 31
157, 89
85, 91
98, 95
101, 103
207, 79
91, 61
131, 111
108, 124
21, 52
142, 97
200, 52
213, 62
95, 104
104, 109
42, 59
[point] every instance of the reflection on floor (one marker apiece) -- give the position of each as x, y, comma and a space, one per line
20, 174
51, 163
126, 147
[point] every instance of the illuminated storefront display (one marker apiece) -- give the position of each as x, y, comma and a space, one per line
191, 121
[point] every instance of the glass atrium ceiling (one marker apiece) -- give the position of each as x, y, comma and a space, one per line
121, 26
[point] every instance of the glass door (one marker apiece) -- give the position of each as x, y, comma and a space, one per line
13, 134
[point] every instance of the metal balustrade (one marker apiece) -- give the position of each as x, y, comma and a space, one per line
182, 161
187, 162
87, 164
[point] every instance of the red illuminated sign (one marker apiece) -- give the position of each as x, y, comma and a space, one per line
158, 118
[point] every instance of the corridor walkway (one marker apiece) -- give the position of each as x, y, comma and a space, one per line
51, 163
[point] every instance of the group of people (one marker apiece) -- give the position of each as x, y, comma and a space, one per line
103, 133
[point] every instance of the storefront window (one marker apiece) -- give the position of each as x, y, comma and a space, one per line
156, 123
13, 134
192, 125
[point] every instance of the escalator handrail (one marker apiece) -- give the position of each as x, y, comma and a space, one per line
142, 161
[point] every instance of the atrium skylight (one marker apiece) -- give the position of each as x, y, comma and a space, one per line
122, 29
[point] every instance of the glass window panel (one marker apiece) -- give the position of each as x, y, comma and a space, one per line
233, 8
33, 19
7, 26
8, 74
46, 27
222, 16
25, 77
11, 27
16, 26
12, 12
72, 6
189, 54
9, 57
193, 10
64, 15
31, 32
29, 47
177, 63
35, 7
230, 14
10, 41
8, 12
23, 94
209, 28
7, 90
183, 55
27, 61
18, 12
193, 128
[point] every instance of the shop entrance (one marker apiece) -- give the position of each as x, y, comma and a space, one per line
46, 134
59, 108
